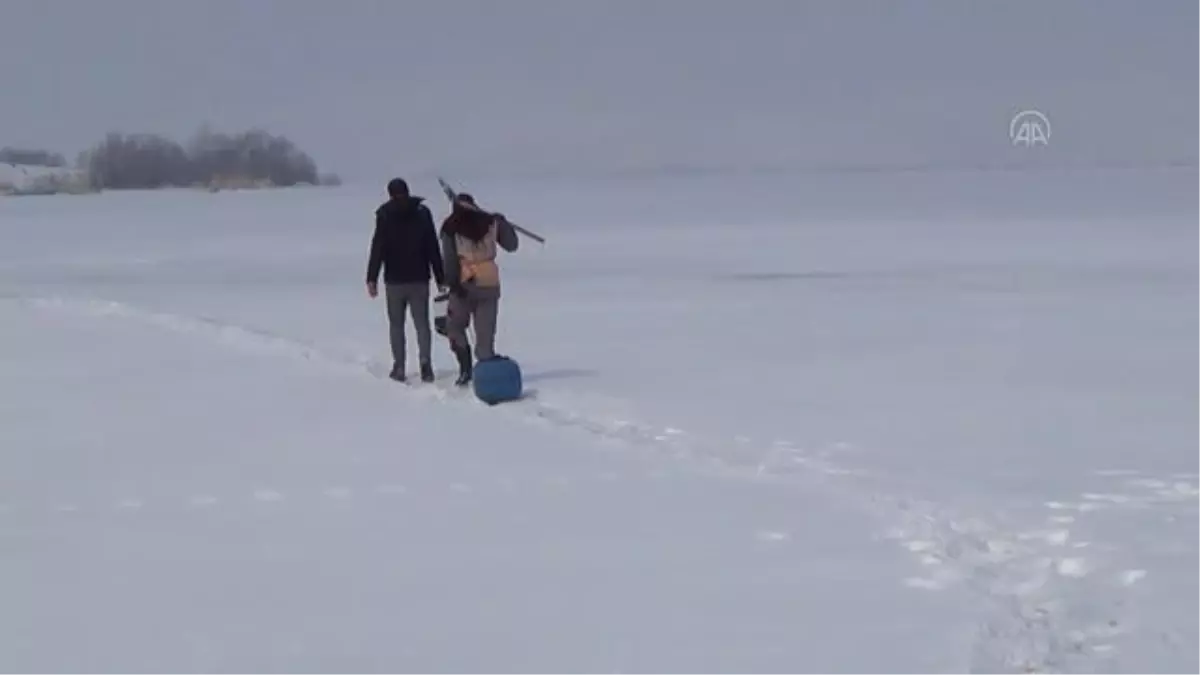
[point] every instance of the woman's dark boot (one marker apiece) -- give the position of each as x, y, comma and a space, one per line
464, 365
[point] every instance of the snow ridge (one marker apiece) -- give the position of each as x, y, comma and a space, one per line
1047, 602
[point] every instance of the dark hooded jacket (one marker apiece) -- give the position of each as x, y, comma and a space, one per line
405, 244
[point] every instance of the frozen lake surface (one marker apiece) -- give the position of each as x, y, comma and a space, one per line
918, 421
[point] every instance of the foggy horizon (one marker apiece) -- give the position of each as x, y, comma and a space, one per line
373, 89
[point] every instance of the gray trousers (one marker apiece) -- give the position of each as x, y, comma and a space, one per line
402, 299
481, 305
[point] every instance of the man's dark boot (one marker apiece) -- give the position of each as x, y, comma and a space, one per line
427, 372
397, 373
464, 365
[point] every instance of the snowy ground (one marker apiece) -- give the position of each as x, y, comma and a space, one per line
915, 422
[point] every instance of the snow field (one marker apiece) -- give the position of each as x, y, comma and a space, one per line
965, 440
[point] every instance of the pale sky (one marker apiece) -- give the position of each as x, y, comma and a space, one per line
372, 88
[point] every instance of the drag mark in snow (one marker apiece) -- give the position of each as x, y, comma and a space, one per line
671, 440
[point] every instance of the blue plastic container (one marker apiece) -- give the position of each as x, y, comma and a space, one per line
497, 380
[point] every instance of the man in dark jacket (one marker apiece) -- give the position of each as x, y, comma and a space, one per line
405, 246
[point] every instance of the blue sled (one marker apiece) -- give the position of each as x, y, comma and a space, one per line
497, 380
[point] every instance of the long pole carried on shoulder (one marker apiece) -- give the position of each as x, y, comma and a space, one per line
452, 195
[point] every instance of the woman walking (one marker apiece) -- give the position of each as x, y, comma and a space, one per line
471, 240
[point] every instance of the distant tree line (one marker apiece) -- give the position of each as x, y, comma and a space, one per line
210, 159
31, 157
